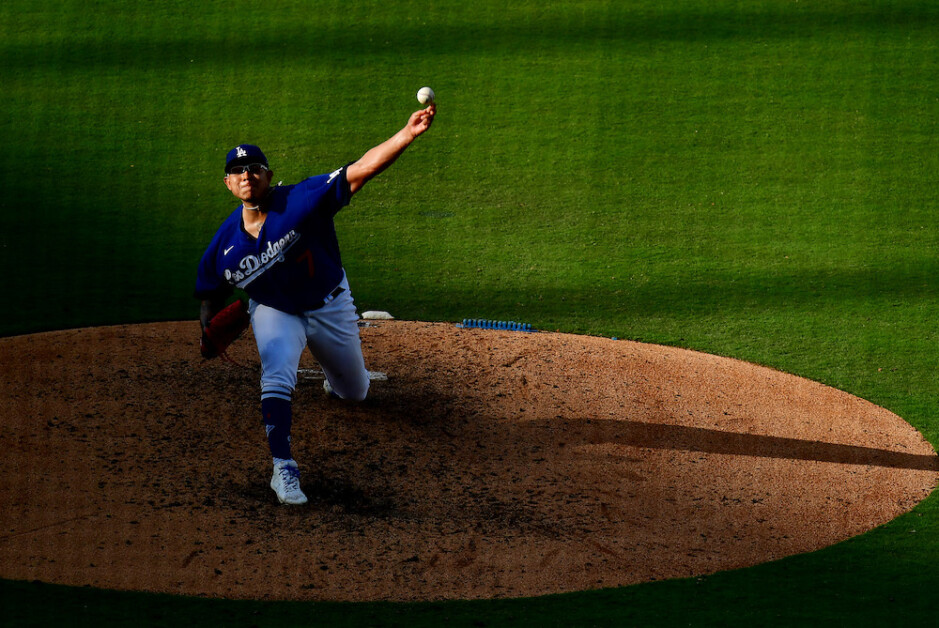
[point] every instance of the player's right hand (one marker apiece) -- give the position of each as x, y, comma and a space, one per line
421, 120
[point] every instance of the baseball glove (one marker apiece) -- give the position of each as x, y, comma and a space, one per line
224, 329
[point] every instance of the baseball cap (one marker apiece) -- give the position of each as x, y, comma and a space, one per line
244, 154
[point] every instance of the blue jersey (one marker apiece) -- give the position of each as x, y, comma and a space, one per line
294, 263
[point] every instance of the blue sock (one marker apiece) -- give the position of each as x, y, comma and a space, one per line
277, 418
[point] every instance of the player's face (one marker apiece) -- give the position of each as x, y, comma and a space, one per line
248, 187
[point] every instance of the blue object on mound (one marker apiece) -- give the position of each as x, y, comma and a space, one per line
479, 323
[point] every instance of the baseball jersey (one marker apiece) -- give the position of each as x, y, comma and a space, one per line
294, 263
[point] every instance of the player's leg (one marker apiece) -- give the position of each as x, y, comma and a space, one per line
333, 337
280, 338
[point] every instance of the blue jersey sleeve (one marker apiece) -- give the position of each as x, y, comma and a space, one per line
209, 282
326, 194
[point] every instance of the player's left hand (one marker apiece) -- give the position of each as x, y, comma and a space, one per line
421, 120
224, 329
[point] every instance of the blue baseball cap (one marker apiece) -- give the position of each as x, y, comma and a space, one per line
244, 154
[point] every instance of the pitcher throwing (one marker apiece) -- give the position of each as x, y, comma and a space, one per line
280, 247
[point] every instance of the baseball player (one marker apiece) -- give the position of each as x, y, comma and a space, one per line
280, 247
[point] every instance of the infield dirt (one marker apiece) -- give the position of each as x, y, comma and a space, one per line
489, 464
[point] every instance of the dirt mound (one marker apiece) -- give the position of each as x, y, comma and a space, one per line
489, 464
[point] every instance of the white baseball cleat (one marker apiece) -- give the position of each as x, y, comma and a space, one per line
286, 483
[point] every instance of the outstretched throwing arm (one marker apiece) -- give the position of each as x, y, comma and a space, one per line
380, 157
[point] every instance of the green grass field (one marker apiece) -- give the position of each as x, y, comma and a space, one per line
751, 179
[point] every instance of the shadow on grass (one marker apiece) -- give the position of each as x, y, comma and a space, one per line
558, 29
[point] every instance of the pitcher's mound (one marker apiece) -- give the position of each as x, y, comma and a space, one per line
489, 464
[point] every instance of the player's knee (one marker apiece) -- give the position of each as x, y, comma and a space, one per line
357, 392
352, 390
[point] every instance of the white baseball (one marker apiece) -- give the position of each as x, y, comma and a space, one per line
425, 96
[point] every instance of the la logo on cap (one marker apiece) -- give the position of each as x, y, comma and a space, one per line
241, 152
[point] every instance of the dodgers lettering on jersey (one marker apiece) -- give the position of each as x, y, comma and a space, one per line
252, 266
295, 262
